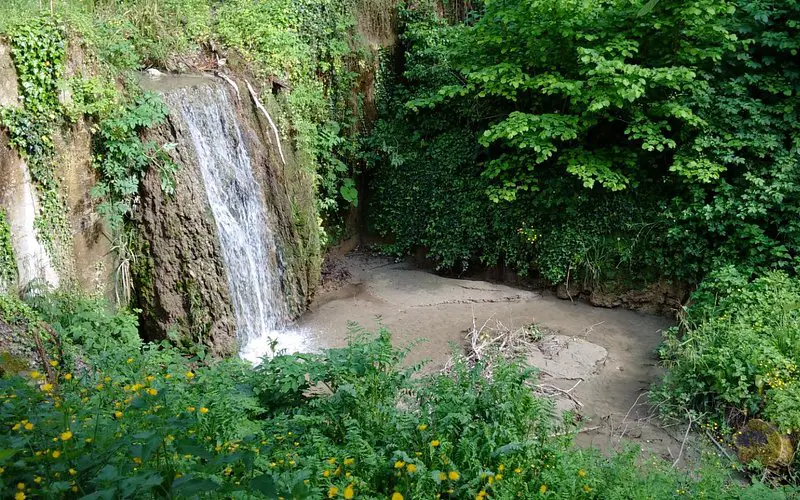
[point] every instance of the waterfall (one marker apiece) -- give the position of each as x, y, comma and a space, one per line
249, 251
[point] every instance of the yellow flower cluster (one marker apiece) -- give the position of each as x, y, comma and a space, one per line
23, 424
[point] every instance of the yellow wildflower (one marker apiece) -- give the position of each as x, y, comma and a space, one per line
53, 363
19, 496
37, 479
349, 492
88, 440
453, 475
149, 378
517, 470
399, 464
501, 468
168, 376
435, 443
190, 409
422, 427
56, 454
48, 387
326, 473
20, 486
333, 491
586, 488
411, 468
442, 476
137, 460
582, 473
130, 360
118, 414
72, 472
99, 387
543, 489
204, 410
67, 376
189, 375
66, 435
152, 392
349, 461
35, 375
16, 427
397, 496
331, 460
498, 477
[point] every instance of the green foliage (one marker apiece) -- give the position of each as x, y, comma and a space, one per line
122, 159
680, 114
739, 350
310, 45
427, 187
87, 323
134, 421
8, 264
38, 50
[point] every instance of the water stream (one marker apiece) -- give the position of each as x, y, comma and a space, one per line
248, 244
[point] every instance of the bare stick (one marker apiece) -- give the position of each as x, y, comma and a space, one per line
546, 387
719, 446
683, 443
232, 84
269, 118
585, 429
43, 355
589, 330
569, 269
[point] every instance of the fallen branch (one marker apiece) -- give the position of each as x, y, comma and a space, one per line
269, 118
683, 443
231, 83
43, 355
546, 387
583, 429
719, 446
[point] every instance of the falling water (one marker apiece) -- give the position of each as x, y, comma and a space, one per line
248, 245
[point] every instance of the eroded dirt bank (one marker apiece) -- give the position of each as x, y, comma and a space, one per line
605, 358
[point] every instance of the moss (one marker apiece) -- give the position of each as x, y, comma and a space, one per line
761, 441
142, 269
11, 365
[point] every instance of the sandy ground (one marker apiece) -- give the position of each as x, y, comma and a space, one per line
613, 349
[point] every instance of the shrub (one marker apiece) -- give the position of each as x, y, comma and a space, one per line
738, 353
142, 421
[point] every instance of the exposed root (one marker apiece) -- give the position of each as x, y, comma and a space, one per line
269, 119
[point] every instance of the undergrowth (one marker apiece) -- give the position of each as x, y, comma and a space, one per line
735, 356
114, 418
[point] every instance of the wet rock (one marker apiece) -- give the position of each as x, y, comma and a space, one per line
599, 299
182, 282
564, 292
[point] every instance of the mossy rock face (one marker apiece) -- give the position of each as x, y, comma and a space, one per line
762, 441
11, 365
